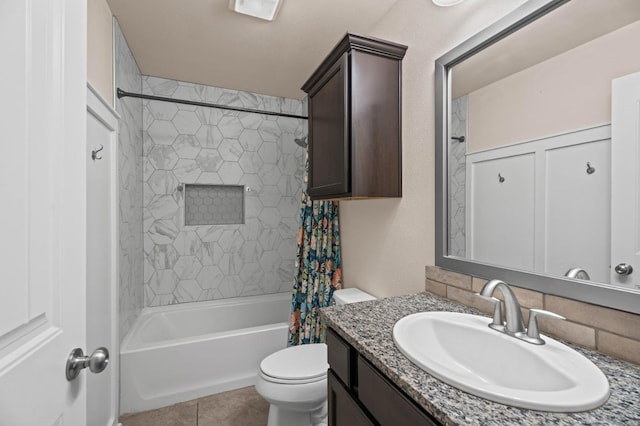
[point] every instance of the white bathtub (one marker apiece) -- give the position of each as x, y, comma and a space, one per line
181, 352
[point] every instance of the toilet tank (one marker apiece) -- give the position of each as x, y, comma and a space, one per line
351, 295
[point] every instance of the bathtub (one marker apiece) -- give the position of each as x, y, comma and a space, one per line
181, 352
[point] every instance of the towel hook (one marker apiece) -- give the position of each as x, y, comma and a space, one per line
500, 178
94, 153
590, 169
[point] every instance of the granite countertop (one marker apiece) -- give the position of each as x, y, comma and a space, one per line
368, 326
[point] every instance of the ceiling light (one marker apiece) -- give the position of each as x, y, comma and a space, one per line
445, 3
263, 9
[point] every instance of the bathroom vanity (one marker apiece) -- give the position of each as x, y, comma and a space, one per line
359, 391
372, 382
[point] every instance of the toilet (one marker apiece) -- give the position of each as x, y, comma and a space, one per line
294, 380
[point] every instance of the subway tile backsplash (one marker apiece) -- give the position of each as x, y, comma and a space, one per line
607, 330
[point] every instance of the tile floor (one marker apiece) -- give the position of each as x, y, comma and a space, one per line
241, 407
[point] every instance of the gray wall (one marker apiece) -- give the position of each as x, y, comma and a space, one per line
128, 77
188, 144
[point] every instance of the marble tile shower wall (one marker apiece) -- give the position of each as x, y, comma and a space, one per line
129, 78
458, 176
189, 144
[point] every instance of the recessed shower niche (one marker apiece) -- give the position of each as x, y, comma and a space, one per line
213, 204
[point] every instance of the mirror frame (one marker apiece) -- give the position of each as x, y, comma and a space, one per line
584, 291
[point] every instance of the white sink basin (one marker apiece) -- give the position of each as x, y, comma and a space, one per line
461, 350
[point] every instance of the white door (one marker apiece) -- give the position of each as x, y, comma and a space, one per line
43, 193
102, 389
625, 181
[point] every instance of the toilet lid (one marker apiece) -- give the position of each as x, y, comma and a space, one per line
295, 363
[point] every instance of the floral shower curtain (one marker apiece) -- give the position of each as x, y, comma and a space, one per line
317, 267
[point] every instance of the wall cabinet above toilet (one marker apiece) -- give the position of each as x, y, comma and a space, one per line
355, 143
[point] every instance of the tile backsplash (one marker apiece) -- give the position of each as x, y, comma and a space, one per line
596, 327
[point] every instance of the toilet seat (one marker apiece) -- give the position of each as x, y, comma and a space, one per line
296, 364
292, 381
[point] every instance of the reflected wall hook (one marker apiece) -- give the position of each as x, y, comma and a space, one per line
94, 153
500, 178
590, 169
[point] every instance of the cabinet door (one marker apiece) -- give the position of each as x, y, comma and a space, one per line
343, 409
341, 358
329, 162
386, 403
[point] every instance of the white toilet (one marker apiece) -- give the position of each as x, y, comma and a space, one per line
294, 380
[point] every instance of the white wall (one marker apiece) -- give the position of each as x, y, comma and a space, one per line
100, 48
548, 214
387, 243
550, 97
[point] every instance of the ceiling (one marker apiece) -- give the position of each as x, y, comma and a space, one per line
202, 41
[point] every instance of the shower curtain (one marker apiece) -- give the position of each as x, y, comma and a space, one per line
317, 267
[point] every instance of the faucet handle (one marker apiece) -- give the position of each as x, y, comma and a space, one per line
498, 322
533, 334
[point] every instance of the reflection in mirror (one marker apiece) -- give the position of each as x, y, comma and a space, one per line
519, 202
535, 175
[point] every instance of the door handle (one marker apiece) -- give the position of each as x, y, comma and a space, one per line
623, 269
76, 361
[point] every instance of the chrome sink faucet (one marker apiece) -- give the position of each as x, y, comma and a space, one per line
514, 324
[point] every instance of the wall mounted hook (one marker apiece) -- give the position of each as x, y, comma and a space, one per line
590, 169
500, 178
94, 153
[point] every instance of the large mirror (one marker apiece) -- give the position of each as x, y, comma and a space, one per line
538, 165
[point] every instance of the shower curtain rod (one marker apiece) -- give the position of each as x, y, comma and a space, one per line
122, 94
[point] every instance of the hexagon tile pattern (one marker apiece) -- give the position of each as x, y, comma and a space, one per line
130, 186
214, 205
186, 144
458, 175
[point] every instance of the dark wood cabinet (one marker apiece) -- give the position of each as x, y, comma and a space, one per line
359, 394
355, 142
343, 409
